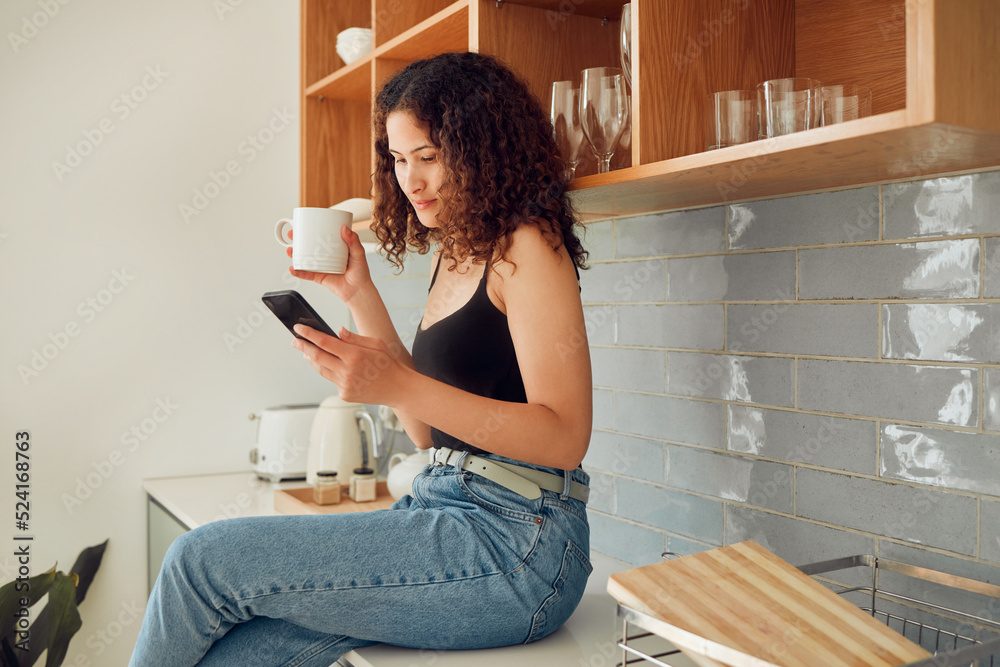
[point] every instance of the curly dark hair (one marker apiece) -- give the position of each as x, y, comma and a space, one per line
502, 167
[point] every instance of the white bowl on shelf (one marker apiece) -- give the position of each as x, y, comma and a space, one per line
353, 43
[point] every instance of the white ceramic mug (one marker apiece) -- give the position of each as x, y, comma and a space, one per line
316, 243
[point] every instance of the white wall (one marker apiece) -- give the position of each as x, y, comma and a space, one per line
159, 335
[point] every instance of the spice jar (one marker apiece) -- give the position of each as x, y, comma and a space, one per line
326, 490
363, 489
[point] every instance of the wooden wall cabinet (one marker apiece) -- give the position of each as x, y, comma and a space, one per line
933, 66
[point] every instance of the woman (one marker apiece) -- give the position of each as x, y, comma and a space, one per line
492, 547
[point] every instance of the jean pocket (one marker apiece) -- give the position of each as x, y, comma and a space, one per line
499, 499
567, 591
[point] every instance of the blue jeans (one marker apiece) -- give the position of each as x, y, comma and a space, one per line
463, 563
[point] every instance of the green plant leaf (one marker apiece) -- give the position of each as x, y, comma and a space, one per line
86, 567
56, 624
7, 657
10, 600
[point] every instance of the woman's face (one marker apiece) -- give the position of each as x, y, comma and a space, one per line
418, 167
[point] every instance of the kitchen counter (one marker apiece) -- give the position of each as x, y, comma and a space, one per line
588, 638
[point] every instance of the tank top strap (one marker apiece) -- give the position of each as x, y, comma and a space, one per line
434, 277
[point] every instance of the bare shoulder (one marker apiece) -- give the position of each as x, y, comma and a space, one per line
531, 254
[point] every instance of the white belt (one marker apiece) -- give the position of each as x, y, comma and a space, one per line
527, 482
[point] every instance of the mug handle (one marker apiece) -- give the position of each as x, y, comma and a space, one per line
280, 231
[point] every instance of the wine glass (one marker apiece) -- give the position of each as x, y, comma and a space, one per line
565, 114
625, 42
603, 111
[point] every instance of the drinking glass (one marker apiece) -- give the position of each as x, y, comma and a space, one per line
789, 105
731, 118
625, 42
604, 111
847, 102
564, 112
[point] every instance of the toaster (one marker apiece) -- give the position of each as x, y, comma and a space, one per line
281, 446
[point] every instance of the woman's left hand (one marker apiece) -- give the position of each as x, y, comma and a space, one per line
364, 369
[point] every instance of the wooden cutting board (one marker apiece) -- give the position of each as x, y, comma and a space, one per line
743, 606
299, 501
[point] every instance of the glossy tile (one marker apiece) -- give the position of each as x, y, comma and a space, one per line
673, 511
927, 270
798, 542
667, 418
675, 233
623, 368
989, 530
604, 408
625, 540
991, 268
931, 394
624, 282
913, 514
942, 206
830, 217
696, 326
991, 399
600, 322
598, 240
942, 458
602, 492
941, 332
819, 329
765, 276
763, 380
626, 455
828, 442
736, 478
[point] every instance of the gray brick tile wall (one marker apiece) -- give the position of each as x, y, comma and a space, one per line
681, 513
839, 330
637, 370
932, 518
762, 380
832, 380
942, 458
954, 205
669, 418
735, 478
827, 218
931, 394
626, 455
768, 276
989, 530
941, 332
693, 326
682, 233
927, 270
798, 437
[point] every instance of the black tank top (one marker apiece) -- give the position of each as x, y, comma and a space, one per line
470, 349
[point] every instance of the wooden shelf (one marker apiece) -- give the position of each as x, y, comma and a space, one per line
931, 65
448, 30
877, 149
353, 82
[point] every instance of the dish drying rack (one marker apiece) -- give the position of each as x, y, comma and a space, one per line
950, 649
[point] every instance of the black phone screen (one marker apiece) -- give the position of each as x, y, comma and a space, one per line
291, 308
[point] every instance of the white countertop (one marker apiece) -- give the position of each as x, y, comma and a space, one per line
589, 637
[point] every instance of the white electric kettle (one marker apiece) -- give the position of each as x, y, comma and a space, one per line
338, 441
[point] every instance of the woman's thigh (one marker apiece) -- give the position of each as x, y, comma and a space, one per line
439, 571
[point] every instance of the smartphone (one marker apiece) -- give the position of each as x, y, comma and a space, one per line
291, 308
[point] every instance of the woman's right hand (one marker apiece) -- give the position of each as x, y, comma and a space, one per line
344, 285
